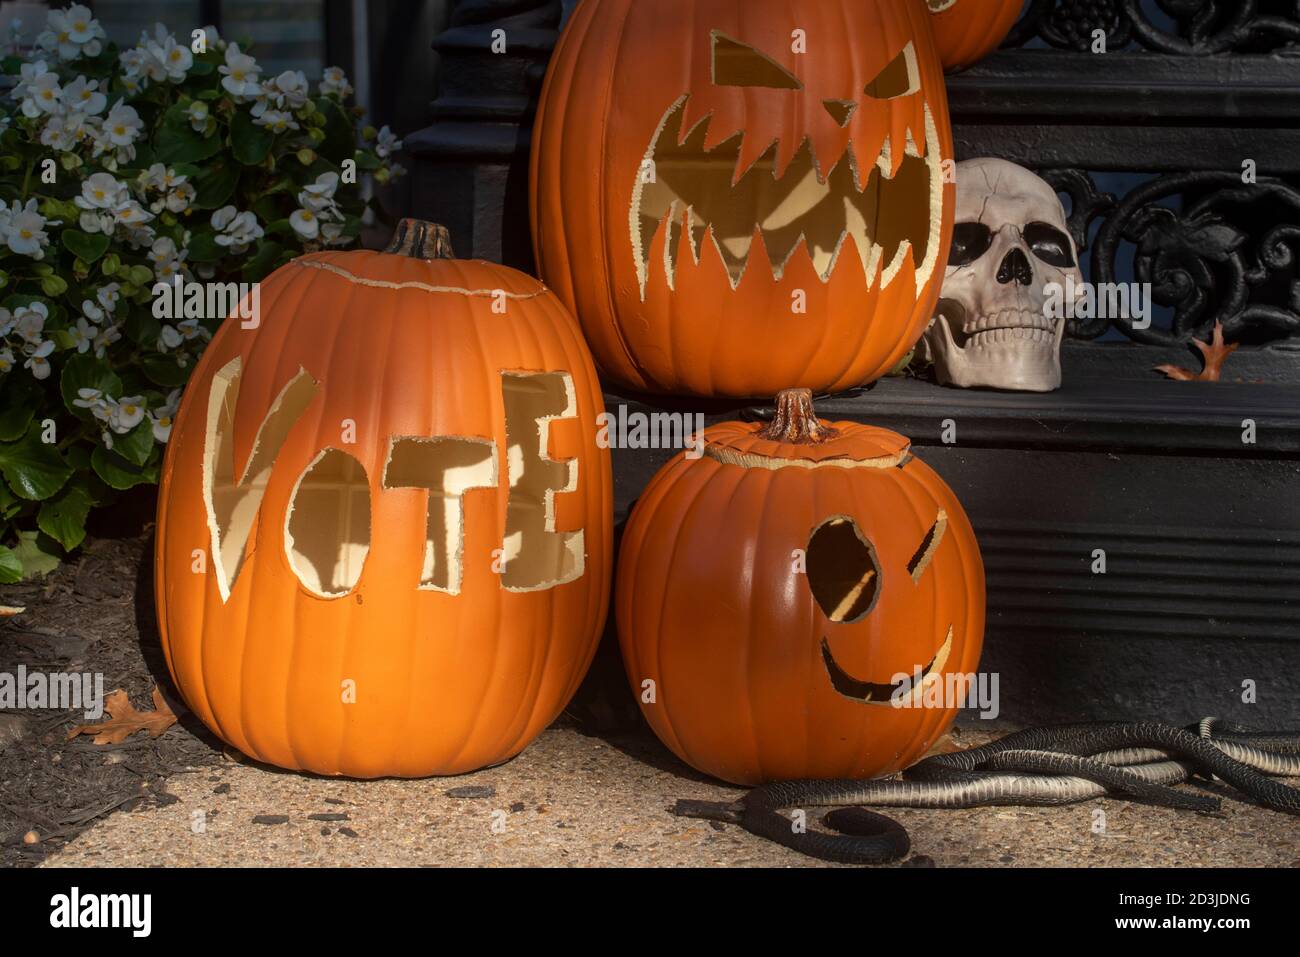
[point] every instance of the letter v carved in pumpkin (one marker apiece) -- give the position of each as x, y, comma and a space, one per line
232, 502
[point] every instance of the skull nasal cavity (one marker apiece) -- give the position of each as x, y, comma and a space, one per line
1015, 268
843, 573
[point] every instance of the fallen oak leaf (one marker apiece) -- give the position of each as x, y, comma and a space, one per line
124, 720
1213, 354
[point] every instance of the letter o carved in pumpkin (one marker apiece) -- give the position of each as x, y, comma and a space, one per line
771, 593
736, 198
383, 535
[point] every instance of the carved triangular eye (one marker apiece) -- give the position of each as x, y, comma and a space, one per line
901, 78
738, 64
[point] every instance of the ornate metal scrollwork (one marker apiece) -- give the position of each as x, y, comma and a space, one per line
1175, 27
1227, 253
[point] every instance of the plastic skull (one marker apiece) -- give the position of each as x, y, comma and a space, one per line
994, 327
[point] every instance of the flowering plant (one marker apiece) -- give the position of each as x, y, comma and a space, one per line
174, 160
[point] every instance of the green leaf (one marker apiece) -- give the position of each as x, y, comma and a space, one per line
63, 517
249, 142
85, 371
54, 285
136, 445
34, 470
11, 566
216, 186
164, 371
204, 249
85, 246
268, 254
39, 554
18, 406
178, 143
118, 472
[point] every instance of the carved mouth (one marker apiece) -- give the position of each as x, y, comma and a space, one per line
1023, 327
698, 194
870, 692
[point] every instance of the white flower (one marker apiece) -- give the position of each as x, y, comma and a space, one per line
169, 338
30, 321
133, 61
198, 112
320, 194
181, 198
92, 311
72, 33
276, 121
305, 223
335, 81
23, 229
241, 74
122, 124
191, 329
162, 416
38, 359
6, 360
6, 322
83, 96
102, 191
57, 135
83, 335
387, 143
174, 58
235, 229
332, 234
107, 336
94, 400
125, 413
108, 296
41, 95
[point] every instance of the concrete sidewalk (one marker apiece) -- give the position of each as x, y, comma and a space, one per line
572, 799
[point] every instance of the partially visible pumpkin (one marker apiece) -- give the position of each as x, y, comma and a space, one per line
384, 532
770, 592
966, 31
740, 196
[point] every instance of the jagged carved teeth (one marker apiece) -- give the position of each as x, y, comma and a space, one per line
697, 194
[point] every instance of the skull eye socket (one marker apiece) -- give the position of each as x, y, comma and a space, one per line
738, 64
970, 241
900, 78
843, 572
1049, 244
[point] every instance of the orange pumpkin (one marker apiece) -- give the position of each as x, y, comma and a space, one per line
737, 198
383, 530
772, 592
966, 31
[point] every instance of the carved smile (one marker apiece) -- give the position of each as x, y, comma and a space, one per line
696, 194
870, 692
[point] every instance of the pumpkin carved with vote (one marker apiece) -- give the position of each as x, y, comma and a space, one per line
383, 534
737, 198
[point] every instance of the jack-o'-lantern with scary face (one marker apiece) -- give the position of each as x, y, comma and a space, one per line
803, 600
383, 535
737, 198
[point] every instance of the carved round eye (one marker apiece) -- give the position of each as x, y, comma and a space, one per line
843, 572
1049, 244
970, 241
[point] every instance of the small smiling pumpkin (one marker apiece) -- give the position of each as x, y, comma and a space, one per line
771, 594
736, 198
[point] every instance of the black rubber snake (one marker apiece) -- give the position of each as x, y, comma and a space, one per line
1056, 765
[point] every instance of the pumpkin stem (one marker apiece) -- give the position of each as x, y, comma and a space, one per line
796, 422
421, 240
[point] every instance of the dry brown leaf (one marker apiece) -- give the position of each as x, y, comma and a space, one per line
8, 611
124, 720
1213, 355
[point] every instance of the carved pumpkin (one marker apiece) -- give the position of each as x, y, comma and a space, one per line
737, 198
966, 31
771, 593
383, 535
